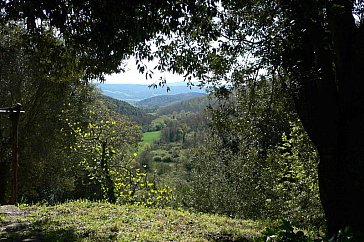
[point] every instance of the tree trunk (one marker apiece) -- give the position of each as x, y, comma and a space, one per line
109, 184
4, 177
341, 179
326, 69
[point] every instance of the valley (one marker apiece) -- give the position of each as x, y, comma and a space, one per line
172, 125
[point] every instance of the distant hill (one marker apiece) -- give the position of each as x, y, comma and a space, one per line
164, 100
194, 105
134, 113
135, 92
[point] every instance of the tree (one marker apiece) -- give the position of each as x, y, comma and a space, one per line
294, 167
105, 142
41, 74
329, 101
230, 170
320, 48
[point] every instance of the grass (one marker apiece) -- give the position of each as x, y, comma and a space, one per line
149, 138
97, 221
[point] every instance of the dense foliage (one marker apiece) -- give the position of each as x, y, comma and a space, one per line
40, 73
265, 170
100, 35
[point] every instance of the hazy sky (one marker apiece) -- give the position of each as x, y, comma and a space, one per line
131, 75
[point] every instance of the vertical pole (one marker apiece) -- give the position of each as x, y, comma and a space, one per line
14, 116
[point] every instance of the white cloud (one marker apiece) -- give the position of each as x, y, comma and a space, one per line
132, 75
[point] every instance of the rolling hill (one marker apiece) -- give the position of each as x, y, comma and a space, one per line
164, 100
124, 108
135, 92
194, 105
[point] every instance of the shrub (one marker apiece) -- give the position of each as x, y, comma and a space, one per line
246, 184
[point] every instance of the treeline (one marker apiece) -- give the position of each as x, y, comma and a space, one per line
154, 103
194, 105
184, 127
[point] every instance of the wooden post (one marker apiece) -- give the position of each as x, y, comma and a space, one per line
14, 116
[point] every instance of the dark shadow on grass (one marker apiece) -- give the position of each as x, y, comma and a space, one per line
35, 232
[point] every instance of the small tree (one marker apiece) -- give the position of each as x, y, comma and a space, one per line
104, 146
104, 143
294, 168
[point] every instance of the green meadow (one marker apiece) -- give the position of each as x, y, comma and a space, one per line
149, 138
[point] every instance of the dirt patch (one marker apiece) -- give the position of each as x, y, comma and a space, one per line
10, 209
9, 215
10, 227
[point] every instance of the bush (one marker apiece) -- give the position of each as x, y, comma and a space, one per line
294, 165
139, 188
246, 184
228, 183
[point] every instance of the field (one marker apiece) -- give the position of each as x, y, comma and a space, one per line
149, 138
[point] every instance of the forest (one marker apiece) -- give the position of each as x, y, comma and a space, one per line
276, 142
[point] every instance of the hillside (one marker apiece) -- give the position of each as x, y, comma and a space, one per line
136, 92
134, 113
95, 221
194, 105
164, 100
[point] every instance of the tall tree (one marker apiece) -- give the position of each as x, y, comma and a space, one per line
104, 142
325, 65
30, 74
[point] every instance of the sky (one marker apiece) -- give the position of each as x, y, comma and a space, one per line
132, 76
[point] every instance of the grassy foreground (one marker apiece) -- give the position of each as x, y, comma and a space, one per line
97, 221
